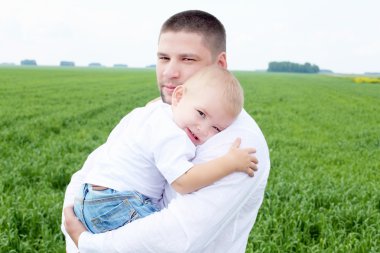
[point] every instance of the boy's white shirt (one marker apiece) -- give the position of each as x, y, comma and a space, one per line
217, 218
143, 151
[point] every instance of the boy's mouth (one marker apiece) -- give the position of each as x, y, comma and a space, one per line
192, 136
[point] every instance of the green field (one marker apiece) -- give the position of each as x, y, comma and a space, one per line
323, 132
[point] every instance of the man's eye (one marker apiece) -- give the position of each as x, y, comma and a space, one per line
188, 59
163, 58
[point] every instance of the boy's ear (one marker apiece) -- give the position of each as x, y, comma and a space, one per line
177, 95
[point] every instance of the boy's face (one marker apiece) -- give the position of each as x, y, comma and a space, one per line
200, 114
179, 56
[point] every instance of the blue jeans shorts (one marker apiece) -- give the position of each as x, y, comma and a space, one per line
104, 210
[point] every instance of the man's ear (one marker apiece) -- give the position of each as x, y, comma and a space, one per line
222, 60
177, 94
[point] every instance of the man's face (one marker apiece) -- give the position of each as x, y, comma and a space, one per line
179, 55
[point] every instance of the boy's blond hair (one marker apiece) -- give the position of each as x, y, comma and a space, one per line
223, 83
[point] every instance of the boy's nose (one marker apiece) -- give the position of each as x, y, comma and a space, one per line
204, 130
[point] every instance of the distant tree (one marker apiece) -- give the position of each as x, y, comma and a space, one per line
120, 66
326, 71
28, 62
7, 64
151, 66
94, 64
315, 68
287, 66
67, 64
372, 73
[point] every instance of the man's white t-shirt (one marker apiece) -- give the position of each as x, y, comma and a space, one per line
145, 150
216, 218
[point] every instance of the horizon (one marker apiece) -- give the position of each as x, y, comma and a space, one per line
322, 71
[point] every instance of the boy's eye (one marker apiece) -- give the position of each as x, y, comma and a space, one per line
201, 113
217, 129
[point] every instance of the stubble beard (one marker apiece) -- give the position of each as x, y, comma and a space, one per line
163, 97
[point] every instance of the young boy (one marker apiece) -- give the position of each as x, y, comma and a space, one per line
155, 144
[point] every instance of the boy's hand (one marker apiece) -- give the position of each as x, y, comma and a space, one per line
242, 159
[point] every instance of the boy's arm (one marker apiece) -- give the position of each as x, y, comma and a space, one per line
204, 174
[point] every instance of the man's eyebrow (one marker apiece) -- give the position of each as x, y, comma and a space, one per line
189, 55
181, 56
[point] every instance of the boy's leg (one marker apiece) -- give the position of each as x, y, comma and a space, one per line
107, 209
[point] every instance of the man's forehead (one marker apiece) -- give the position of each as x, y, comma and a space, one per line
181, 37
183, 45
182, 48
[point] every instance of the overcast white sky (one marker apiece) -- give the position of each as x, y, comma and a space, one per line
340, 35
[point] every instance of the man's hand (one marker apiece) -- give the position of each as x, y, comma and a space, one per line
72, 225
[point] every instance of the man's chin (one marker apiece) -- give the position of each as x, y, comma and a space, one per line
166, 98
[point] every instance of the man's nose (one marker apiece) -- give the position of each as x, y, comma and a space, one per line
171, 70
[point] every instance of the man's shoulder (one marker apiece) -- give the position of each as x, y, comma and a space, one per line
152, 111
244, 120
244, 125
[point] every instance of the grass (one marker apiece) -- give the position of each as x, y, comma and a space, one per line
323, 133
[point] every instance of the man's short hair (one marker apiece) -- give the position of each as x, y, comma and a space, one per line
206, 25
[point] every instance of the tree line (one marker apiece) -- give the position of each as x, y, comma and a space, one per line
287, 66
31, 62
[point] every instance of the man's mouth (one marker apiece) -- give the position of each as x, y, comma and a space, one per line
170, 86
169, 89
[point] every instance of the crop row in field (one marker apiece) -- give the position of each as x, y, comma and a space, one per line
323, 133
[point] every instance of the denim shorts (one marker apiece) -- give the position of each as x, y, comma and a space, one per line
104, 210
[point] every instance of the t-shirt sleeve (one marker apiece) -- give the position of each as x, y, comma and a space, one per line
173, 150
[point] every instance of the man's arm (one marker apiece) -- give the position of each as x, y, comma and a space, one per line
78, 177
72, 190
72, 225
200, 175
191, 222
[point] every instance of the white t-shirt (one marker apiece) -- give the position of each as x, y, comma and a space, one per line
216, 218
145, 150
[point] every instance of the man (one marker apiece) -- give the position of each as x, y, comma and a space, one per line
217, 218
